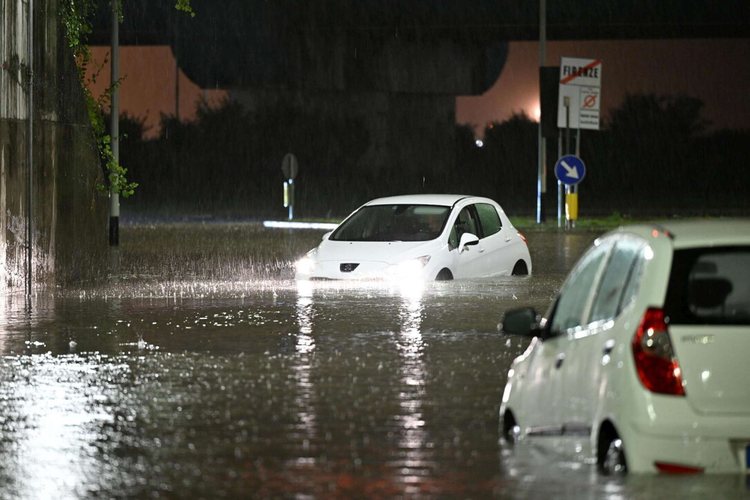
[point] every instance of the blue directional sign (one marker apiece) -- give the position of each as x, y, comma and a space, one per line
570, 170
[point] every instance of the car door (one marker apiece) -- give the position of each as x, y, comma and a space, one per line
494, 240
468, 260
488, 257
553, 372
591, 345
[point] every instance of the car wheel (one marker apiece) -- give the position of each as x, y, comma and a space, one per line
511, 430
444, 275
612, 461
520, 269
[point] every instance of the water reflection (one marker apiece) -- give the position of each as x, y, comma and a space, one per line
221, 386
54, 426
415, 456
302, 370
305, 341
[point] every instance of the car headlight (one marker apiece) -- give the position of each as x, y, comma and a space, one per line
409, 268
306, 264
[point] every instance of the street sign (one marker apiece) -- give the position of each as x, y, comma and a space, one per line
289, 166
570, 170
580, 89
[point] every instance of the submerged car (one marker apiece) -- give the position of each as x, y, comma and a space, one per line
425, 237
641, 363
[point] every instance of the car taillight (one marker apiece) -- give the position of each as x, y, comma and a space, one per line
669, 468
655, 361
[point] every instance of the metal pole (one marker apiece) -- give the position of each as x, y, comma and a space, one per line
291, 198
114, 197
540, 138
566, 104
559, 184
30, 145
578, 154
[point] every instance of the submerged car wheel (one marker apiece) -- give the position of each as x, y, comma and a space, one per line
612, 456
444, 275
511, 430
520, 269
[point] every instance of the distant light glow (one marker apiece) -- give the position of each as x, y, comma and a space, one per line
536, 112
479, 143
299, 225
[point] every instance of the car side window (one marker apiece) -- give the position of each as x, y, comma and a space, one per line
576, 291
634, 280
618, 278
488, 219
465, 223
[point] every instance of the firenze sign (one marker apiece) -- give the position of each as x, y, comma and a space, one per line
580, 86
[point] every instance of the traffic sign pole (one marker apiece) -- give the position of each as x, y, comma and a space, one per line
289, 167
570, 170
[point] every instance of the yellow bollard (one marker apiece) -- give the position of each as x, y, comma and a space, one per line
571, 206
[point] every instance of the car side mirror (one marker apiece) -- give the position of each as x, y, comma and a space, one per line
467, 239
523, 321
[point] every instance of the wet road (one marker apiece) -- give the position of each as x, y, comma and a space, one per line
199, 369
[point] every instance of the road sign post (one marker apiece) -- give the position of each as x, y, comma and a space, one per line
578, 108
570, 170
289, 167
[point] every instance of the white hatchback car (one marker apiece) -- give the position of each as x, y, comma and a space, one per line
642, 363
424, 237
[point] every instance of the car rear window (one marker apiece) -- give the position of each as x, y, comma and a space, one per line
710, 286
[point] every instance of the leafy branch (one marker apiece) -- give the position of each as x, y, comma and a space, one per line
76, 16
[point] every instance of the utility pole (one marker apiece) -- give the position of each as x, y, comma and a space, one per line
541, 142
114, 197
30, 153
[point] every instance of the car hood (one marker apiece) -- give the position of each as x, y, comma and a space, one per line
390, 252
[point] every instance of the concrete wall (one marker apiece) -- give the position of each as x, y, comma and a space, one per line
69, 215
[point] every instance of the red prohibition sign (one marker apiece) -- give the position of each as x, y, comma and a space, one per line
589, 101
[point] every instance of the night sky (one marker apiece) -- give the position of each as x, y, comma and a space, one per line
717, 71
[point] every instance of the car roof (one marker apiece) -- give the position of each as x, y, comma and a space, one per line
423, 199
691, 233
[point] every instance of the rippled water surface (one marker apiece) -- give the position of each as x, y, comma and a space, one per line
199, 369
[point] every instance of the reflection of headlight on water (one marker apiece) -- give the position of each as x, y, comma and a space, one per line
408, 269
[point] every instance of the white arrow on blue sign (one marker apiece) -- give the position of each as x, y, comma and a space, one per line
570, 170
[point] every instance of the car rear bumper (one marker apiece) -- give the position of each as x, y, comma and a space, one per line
713, 444
644, 453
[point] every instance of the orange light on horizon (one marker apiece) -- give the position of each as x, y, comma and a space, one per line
149, 86
535, 111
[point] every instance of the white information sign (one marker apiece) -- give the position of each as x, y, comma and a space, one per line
580, 93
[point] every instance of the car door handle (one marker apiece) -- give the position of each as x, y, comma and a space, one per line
559, 360
608, 346
507, 239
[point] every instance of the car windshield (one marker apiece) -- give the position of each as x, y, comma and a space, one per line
393, 223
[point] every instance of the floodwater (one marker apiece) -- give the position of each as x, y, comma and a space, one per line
197, 368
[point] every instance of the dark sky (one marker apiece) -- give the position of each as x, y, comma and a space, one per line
717, 71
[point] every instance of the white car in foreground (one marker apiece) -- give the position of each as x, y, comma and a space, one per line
643, 361
420, 237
